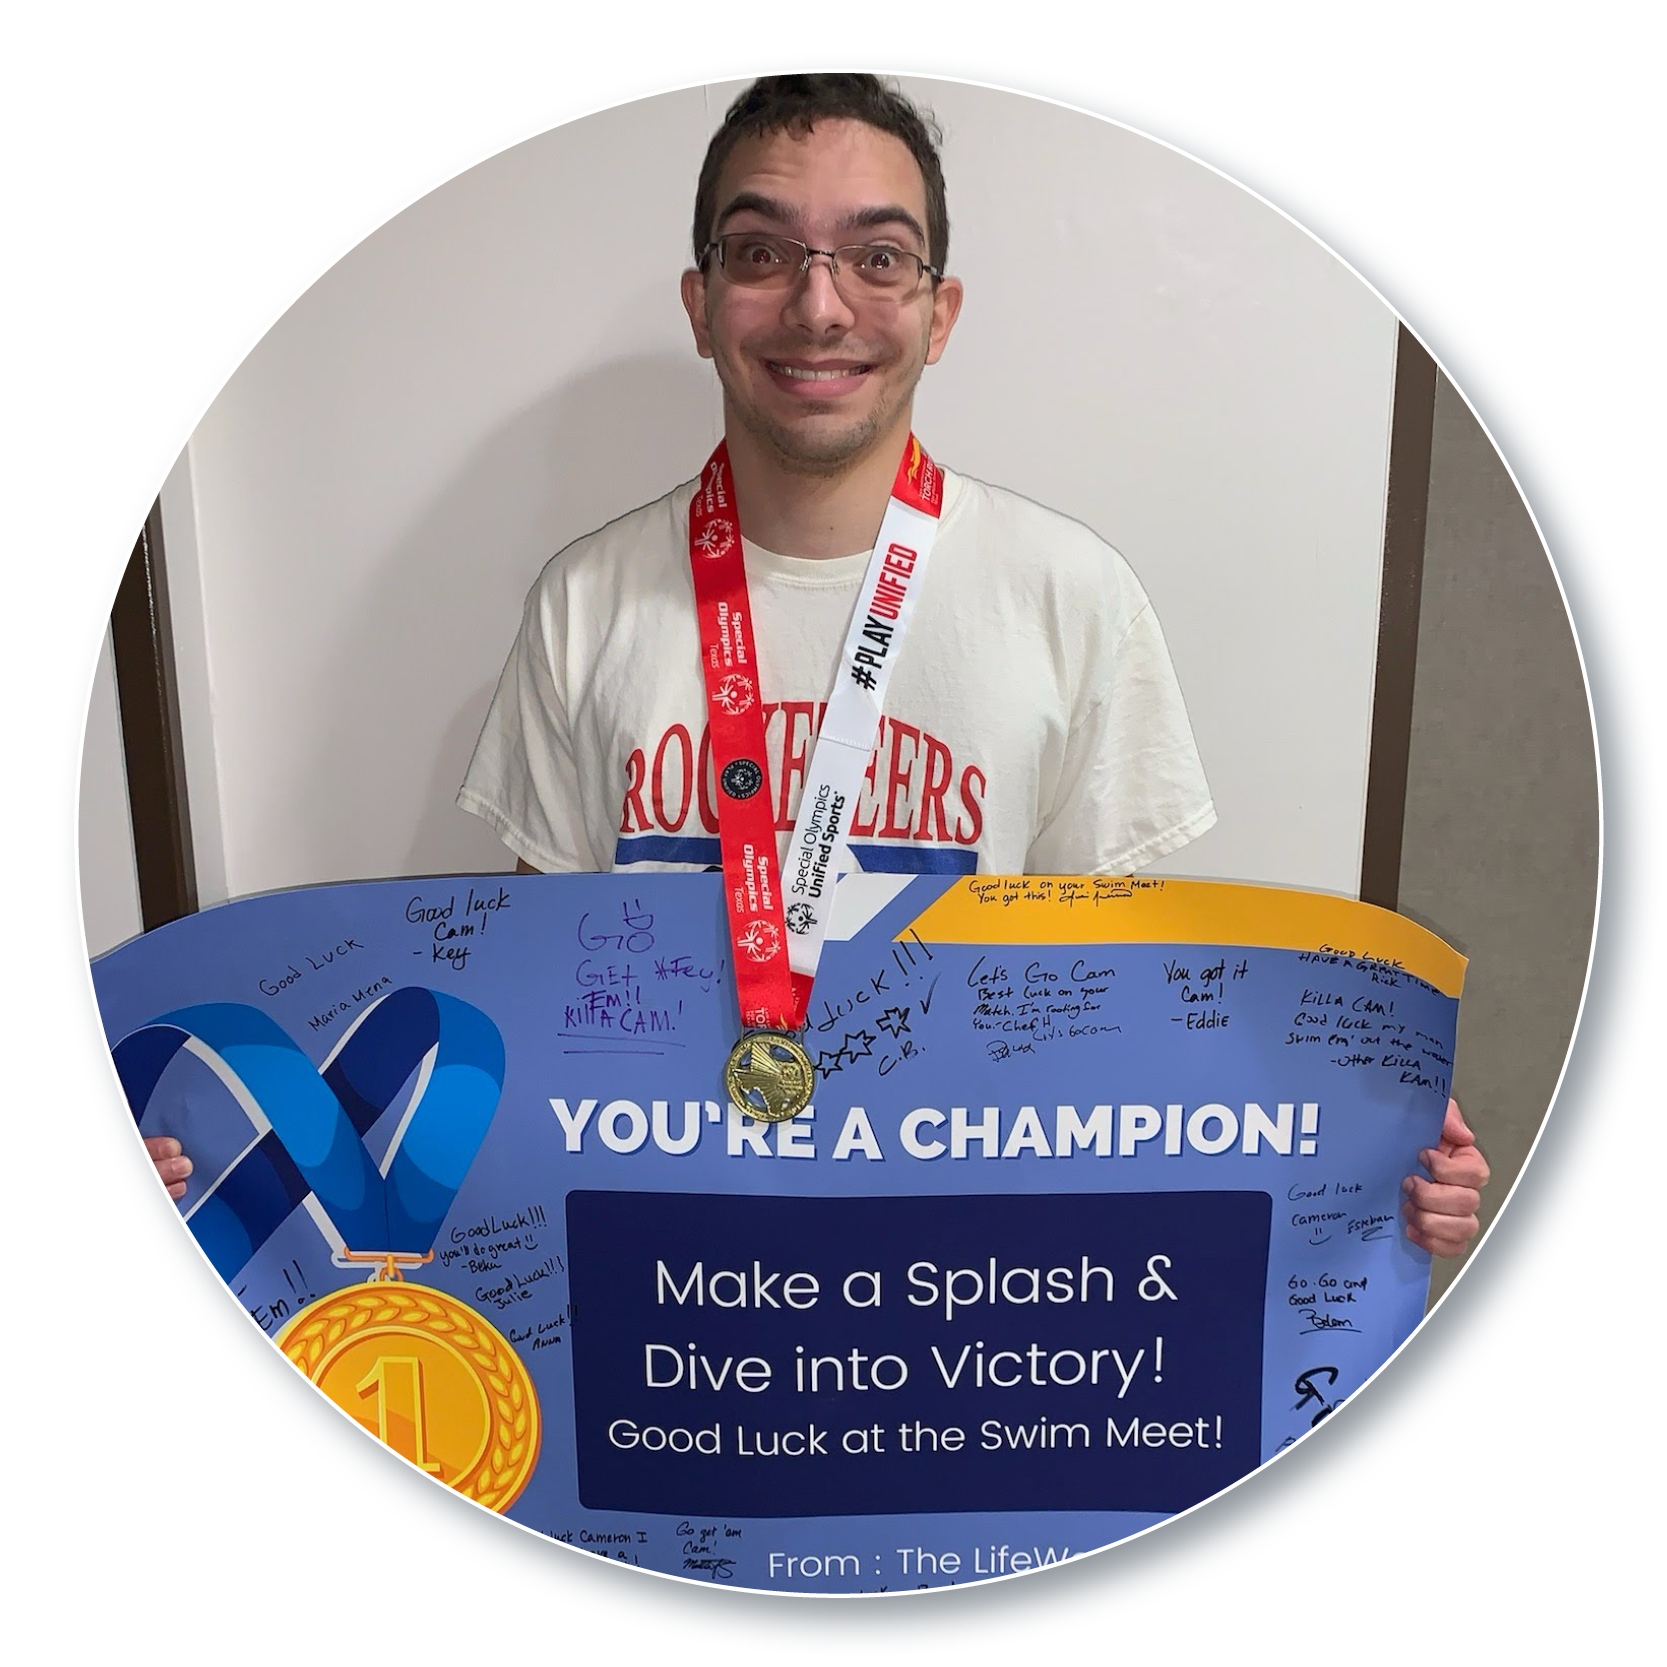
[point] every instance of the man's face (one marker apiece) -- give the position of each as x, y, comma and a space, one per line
774, 350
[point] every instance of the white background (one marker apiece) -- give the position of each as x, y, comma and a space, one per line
170, 187
363, 507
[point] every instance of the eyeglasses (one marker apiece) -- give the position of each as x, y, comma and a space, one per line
759, 260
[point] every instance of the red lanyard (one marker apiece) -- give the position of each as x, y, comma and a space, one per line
772, 996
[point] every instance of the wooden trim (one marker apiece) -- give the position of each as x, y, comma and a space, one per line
141, 641
1411, 429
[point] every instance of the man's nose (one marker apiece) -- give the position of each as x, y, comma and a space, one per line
816, 302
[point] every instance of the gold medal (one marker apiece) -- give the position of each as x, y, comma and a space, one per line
427, 1377
769, 1075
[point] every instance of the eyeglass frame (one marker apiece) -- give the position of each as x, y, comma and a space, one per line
927, 270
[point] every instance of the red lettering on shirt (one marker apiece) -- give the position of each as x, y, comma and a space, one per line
685, 778
975, 806
913, 788
896, 825
635, 769
796, 720
706, 782
940, 770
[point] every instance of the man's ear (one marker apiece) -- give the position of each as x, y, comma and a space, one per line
946, 308
694, 304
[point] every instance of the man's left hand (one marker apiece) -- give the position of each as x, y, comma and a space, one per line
1440, 1207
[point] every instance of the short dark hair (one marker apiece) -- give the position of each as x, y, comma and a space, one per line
795, 104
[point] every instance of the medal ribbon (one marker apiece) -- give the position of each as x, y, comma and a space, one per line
778, 928
309, 1120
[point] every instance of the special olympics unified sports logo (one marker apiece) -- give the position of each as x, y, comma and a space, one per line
799, 917
760, 940
716, 538
735, 694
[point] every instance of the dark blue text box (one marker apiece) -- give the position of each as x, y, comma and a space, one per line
1024, 1352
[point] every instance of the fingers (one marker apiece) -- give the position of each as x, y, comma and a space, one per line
1448, 1239
1465, 1167
1440, 1210
1440, 1219
1457, 1160
1454, 1130
173, 1168
1440, 1199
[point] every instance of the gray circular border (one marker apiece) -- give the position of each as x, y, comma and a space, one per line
1379, 1421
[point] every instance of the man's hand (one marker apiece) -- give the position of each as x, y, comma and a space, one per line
1440, 1208
173, 1168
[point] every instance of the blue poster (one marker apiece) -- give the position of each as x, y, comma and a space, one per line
1095, 1210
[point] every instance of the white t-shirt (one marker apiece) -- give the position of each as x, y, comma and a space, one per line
1033, 723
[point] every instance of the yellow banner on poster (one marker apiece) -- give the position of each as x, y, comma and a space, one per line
1068, 910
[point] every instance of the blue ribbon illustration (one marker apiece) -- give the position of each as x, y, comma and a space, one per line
318, 1118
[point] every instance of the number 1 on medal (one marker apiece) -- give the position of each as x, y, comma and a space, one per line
396, 1380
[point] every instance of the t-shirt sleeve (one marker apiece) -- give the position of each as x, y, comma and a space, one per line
522, 779
1132, 788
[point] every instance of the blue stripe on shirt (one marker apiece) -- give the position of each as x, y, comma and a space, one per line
668, 848
914, 859
704, 852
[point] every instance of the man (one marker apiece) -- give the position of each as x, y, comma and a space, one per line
1033, 722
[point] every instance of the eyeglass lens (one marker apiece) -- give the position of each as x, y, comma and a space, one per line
758, 259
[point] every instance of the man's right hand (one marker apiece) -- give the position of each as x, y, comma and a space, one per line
173, 1168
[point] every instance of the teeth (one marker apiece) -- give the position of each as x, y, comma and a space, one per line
798, 375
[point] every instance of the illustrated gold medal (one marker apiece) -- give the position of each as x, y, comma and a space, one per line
415, 1367
778, 943
426, 1376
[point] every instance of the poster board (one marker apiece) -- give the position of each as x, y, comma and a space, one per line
1096, 1208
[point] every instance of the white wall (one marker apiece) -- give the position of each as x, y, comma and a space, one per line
1144, 346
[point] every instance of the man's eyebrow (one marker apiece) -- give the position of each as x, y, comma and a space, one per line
751, 202
890, 214
864, 219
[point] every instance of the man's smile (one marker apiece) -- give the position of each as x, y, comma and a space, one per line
822, 378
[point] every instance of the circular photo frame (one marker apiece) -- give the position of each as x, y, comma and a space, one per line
1459, 1334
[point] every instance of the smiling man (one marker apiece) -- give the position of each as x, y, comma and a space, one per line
1008, 705
1032, 719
